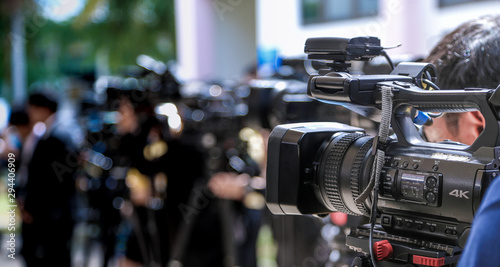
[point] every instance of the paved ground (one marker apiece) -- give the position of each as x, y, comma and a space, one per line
95, 256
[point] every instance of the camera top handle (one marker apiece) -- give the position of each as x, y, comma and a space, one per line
487, 101
343, 89
362, 93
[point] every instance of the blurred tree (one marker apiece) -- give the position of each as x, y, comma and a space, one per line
121, 30
12, 31
107, 35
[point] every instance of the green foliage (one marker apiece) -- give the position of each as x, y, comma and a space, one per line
117, 29
130, 28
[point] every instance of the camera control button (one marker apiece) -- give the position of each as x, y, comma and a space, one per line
415, 165
405, 164
399, 223
431, 182
419, 226
450, 232
430, 197
395, 163
432, 228
435, 168
409, 224
386, 220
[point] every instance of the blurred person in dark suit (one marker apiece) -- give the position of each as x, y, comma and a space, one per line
47, 221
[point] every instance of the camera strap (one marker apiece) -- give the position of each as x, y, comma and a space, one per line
379, 144
378, 150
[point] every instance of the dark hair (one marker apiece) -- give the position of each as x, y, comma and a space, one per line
469, 56
43, 99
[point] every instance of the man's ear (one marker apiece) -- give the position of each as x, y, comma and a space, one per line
470, 126
478, 120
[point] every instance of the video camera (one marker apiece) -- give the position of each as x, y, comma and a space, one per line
425, 195
214, 113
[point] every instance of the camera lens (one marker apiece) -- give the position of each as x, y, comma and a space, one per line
343, 170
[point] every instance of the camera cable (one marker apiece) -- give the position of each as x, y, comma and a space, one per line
389, 61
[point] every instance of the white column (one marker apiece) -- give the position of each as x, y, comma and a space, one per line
195, 38
411, 23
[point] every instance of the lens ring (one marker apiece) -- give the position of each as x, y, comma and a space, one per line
329, 170
356, 173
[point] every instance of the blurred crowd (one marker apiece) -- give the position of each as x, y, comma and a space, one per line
155, 172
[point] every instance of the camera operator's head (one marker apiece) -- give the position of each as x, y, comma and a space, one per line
42, 104
469, 56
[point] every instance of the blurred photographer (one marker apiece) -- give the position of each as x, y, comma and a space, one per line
47, 219
222, 215
469, 56
160, 175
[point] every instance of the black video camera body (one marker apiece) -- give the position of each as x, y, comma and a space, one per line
428, 192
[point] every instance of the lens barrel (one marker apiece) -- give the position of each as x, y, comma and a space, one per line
343, 170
